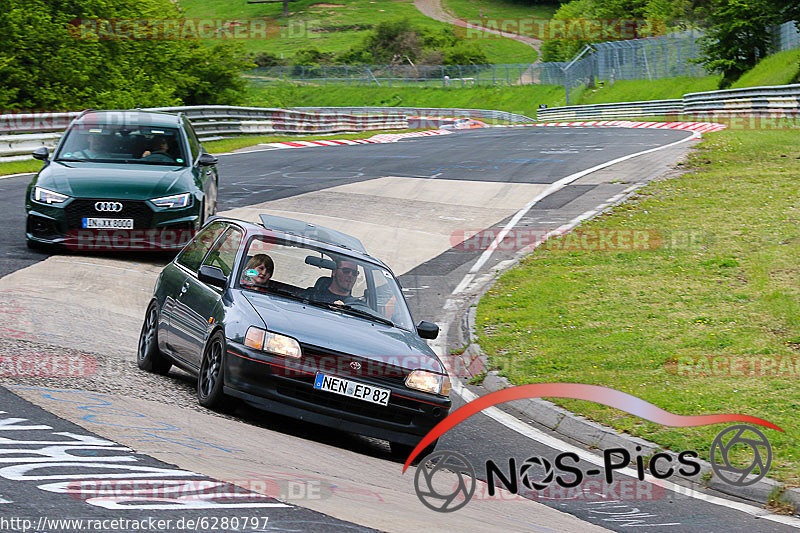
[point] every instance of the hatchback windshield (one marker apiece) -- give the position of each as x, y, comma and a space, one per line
148, 145
321, 278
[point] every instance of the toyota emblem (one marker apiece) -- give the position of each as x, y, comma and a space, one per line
113, 207
355, 365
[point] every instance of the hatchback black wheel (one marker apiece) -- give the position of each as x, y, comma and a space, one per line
149, 357
209, 382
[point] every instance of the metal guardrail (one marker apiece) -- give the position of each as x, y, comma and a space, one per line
612, 111
490, 114
20, 134
773, 101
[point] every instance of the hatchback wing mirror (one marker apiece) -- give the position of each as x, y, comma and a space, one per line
41, 153
427, 330
207, 160
213, 276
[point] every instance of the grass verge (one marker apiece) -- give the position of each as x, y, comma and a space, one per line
775, 69
522, 99
19, 167
707, 322
634, 90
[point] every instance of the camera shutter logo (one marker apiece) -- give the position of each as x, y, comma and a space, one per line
448, 464
721, 460
112, 207
526, 476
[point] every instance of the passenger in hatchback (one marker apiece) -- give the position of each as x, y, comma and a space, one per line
264, 267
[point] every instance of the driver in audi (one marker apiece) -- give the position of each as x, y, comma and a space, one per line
160, 145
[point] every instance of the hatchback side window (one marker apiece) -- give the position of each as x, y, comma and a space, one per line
192, 256
223, 255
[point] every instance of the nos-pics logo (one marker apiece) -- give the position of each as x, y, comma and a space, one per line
445, 481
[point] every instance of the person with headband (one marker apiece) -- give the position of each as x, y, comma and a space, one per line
258, 271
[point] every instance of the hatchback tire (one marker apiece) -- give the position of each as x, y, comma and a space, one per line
212, 374
148, 356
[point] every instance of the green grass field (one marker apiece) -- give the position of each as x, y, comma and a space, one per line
329, 26
775, 69
498, 9
522, 99
722, 287
496, 12
633, 90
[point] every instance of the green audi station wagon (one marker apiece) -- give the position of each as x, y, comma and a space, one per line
134, 179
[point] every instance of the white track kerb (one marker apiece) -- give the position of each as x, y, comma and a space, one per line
525, 430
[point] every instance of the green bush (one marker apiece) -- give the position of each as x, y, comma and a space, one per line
48, 60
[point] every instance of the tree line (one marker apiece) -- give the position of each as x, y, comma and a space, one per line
737, 33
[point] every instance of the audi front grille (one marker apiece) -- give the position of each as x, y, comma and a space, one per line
80, 208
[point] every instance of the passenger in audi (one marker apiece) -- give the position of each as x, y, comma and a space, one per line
94, 150
263, 266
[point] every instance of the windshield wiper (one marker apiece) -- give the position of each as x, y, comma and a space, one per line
278, 291
364, 313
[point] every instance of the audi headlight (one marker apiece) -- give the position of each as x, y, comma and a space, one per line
175, 201
429, 382
48, 197
272, 342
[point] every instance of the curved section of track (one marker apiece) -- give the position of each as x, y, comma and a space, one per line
409, 202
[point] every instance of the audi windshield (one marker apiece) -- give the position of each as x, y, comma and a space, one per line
105, 143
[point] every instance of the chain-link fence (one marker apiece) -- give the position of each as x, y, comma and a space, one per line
666, 56
787, 37
652, 58
396, 75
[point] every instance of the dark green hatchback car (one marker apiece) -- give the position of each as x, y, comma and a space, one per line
122, 180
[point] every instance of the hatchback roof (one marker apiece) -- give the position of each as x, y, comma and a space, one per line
312, 231
129, 117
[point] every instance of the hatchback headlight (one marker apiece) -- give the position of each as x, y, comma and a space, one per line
272, 342
48, 197
429, 382
175, 201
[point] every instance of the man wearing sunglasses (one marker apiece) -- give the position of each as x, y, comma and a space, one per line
338, 288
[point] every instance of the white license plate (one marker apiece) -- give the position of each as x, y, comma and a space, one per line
353, 389
108, 223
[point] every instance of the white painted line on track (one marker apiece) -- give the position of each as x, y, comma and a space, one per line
525, 430
17, 175
558, 185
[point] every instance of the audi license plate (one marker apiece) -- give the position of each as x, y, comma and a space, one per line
353, 389
108, 223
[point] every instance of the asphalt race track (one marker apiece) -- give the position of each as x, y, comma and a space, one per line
409, 202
